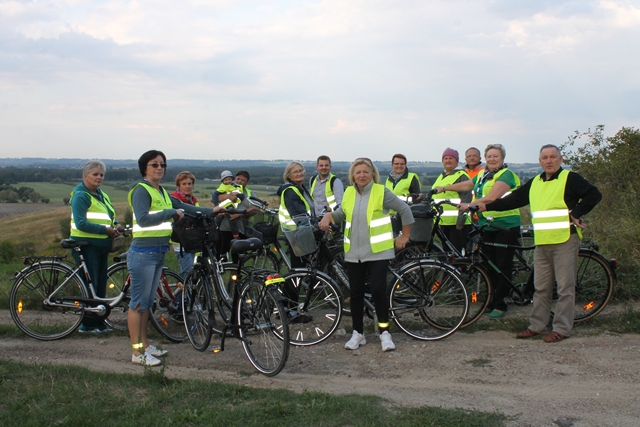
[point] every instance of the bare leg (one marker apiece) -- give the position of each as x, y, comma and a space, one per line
137, 323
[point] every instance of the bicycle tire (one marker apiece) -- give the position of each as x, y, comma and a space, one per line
594, 285
324, 306
478, 286
197, 309
117, 280
166, 313
259, 315
338, 274
33, 286
429, 301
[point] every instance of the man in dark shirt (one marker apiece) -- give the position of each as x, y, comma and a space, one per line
558, 200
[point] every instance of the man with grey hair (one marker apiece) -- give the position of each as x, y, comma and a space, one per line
558, 199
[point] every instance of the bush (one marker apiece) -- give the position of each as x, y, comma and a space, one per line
608, 163
65, 228
8, 252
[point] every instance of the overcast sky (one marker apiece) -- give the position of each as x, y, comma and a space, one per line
296, 79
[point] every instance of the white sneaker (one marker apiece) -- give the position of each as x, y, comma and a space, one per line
357, 339
152, 350
387, 342
145, 359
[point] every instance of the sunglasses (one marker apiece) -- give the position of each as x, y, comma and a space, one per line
158, 165
363, 160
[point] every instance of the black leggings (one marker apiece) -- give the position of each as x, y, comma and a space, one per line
503, 259
376, 272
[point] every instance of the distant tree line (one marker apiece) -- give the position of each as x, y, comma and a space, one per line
9, 194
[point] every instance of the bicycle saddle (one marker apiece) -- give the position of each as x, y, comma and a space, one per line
245, 245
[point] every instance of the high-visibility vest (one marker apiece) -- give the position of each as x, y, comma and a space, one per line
486, 189
378, 222
328, 190
549, 211
401, 189
159, 202
98, 213
228, 189
450, 213
283, 214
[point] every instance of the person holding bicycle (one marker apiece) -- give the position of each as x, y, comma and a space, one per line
369, 244
153, 212
496, 181
295, 200
93, 219
455, 224
185, 181
558, 199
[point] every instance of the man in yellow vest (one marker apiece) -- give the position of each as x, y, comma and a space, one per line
326, 189
558, 199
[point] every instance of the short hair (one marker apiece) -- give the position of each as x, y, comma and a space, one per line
550, 146
400, 156
184, 175
288, 168
245, 174
496, 147
363, 161
323, 157
93, 164
146, 157
473, 148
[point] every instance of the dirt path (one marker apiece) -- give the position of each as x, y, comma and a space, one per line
588, 380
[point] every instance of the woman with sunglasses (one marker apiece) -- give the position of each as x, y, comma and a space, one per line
497, 181
369, 244
153, 212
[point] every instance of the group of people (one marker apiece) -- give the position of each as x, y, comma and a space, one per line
370, 212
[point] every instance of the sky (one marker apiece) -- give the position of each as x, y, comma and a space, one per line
222, 79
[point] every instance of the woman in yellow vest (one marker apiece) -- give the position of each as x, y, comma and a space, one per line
295, 200
93, 219
497, 181
369, 244
455, 224
153, 212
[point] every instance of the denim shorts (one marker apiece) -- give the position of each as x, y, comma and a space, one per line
145, 270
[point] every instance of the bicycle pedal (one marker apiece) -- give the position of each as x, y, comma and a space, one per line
216, 350
508, 300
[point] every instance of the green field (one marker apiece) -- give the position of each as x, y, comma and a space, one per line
117, 192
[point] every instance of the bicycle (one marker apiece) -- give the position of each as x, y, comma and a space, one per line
596, 274
254, 314
166, 313
48, 299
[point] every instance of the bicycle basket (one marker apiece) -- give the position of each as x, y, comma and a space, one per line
269, 232
423, 225
301, 239
192, 235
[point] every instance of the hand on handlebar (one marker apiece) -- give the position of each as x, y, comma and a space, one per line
326, 222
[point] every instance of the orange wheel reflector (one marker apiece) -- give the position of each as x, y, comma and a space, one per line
164, 321
19, 306
436, 286
589, 306
77, 303
474, 297
179, 285
111, 285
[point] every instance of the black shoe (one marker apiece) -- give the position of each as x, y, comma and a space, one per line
300, 318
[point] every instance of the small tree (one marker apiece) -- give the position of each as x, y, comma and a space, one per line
66, 200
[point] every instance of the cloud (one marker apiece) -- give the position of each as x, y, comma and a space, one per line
344, 126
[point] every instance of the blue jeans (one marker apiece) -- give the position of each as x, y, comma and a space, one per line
185, 259
145, 270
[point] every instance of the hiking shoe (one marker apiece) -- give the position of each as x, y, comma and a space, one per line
155, 352
496, 314
300, 318
387, 342
357, 339
145, 359
92, 330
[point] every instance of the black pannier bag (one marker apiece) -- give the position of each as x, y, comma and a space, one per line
421, 229
191, 233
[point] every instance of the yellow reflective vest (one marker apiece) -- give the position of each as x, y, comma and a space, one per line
379, 222
159, 202
549, 211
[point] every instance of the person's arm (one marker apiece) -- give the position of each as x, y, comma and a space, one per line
457, 187
465, 197
338, 191
179, 204
391, 201
517, 199
141, 201
586, 194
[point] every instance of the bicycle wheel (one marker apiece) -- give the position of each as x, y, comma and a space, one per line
259, 315
478, 286
263, 260
428, 301
594, 286
166, 313
61, 315
197, 309
312, 297
228, 279
338, 274
117, 280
